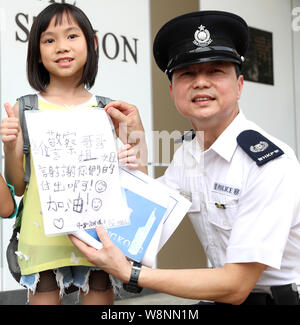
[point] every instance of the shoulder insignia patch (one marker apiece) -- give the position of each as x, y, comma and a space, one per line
259, 148
187, 136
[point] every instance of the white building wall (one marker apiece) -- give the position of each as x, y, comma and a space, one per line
296, 58
272, 107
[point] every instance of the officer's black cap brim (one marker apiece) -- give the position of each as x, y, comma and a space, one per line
201, 60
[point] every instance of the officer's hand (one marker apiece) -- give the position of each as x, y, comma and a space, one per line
126, 119
110, 258
129, 128
10, 128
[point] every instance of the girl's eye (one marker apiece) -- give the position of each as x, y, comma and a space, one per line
72, 36
49, 41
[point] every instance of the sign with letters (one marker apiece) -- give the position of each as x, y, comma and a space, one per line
76, 166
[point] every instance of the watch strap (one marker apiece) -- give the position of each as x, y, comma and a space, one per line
132, 285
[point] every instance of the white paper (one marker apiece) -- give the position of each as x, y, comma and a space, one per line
177, 207
76, 164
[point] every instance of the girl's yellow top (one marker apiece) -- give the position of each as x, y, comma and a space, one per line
37, 252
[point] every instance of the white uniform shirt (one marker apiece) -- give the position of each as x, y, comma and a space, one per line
241, 212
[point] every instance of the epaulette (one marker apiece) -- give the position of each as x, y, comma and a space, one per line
187, 136
258, 147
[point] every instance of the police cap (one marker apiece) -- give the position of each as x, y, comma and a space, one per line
198, 37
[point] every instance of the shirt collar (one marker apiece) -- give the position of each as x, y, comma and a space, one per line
226, 143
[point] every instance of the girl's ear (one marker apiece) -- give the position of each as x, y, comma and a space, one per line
96, 42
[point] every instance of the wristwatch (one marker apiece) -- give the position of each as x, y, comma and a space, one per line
132, 285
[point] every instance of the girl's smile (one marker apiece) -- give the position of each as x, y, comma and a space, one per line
64, 62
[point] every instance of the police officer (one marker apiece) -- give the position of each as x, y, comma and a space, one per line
243, 182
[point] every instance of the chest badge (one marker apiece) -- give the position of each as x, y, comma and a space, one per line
202, 37
227, 190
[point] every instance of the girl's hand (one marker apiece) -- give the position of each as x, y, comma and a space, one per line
10, 128
127, 157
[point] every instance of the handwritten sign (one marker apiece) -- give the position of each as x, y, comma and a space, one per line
76, 165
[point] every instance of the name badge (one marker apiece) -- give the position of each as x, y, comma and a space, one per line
227, 190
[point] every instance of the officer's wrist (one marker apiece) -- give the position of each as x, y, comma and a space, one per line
127, 273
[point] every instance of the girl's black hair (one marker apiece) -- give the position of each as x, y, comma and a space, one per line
38, 76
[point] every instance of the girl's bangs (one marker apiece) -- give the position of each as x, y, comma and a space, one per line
60, 15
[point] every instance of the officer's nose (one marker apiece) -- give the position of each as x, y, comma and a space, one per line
201, 80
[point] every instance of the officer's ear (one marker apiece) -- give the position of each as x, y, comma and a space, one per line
240, 84
237, 70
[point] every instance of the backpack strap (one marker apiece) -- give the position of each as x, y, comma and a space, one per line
28, 102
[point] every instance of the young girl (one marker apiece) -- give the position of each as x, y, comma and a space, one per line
7, 204
62, 64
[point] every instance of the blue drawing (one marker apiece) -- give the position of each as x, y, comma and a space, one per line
133, 239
